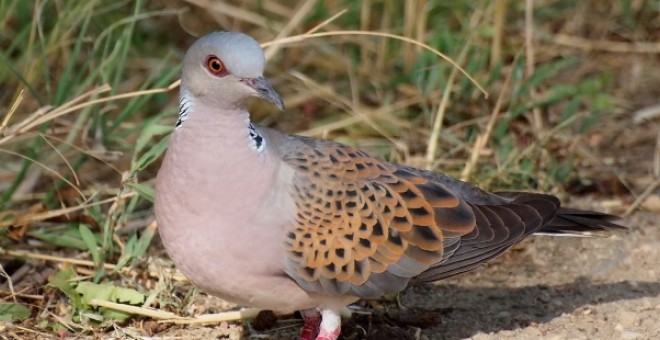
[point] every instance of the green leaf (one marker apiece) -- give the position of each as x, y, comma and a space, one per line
145, 191
106, 292
13, 312
82, 293
559, 92
149, 132
151, 155
570, 109
144, 242
61, 238
90, 242
64, 281
127, 253
136, 247
111, 314
603, 102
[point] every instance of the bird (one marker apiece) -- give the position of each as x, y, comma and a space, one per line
289, 223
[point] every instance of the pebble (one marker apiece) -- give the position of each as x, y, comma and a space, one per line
652, 203
480, 336
628, 319
630, 335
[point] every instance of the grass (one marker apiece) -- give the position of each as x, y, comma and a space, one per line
88, 94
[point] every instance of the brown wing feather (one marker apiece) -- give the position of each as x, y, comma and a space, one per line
367, 227
364, 226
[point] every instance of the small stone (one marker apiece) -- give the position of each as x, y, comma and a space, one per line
630, 335
652, 203
152, 327
264, 321
533, 333
627, 319
480, 336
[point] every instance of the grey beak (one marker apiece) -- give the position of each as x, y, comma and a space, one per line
265, 90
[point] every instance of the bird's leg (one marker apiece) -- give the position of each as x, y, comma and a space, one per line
312, 319
330, 325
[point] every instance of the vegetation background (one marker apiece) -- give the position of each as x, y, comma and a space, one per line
88, 95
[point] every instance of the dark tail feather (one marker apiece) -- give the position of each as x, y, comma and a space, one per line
569, 221
577, 222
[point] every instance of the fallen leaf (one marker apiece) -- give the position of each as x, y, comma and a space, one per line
10, 312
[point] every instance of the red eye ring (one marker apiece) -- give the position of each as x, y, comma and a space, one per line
216, 66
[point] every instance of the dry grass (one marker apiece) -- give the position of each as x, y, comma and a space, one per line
88, 93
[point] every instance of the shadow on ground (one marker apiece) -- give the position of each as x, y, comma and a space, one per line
468, 311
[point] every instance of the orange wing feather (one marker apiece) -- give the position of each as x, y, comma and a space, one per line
365, 226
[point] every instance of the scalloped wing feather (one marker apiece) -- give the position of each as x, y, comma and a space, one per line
367, 227
364, 226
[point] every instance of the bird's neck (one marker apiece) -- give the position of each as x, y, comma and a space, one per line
230, 128
217, 152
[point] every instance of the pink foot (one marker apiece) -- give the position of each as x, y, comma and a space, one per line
329, 334
330, 325
310, 328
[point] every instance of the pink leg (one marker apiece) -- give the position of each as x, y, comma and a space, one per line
330, 325
310, 328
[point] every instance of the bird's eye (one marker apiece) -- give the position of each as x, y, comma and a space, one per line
215, 66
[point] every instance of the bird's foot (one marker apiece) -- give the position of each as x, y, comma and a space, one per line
330, 325
329, 334
310, 329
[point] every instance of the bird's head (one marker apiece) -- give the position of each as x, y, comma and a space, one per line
224, 69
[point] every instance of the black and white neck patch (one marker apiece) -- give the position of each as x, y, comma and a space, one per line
257, 142
185, 106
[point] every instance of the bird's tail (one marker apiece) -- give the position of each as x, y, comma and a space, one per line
567, 221
576, 222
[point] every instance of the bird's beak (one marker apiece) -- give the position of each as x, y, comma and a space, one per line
265, 90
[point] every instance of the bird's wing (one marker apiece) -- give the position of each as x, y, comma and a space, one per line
498, 228
368, 227
364, 226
